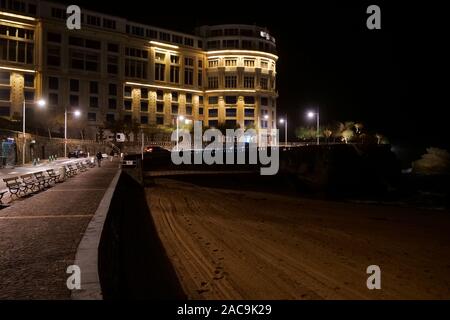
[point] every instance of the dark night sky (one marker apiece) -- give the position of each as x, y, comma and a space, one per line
384, 78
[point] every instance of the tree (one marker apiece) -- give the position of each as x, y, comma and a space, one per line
327, 133
305, 133
347, 135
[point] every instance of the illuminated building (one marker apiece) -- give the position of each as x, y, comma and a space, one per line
114, 69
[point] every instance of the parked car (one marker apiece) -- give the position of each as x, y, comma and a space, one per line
77, 154
156, 149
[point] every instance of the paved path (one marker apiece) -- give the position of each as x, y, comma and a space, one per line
39, 235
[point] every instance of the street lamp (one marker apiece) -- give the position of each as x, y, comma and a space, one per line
76, 113
41, 103
311, 115
285, 122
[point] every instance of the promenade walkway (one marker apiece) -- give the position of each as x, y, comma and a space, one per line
39, 235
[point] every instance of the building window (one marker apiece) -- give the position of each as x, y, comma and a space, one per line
230, 112
249, 123
144, 106
230, 62
249, 100
264, 64
213, 82
174, 74
177, 39
160, 107
28, 80
5, 94
93, 87
213, 100
112, 89
200, 111
200, 99
112, 103
159, 71
29, 95
53, 99
189, 110
92, 116
159, 56
144, 93
213, 112
53, 83
249, 82
174, 59
174, 109
213, 63
189, 76
159, 95
230, 81
174, 96
144, 119
249, 112
113, 47
74, 85
264, 101
5, 78
249, 62
264, 83
200, 78
213, 123
109, 24
127, 91
127, 104
188, 97
110, 117
135, 68
54, 37
73, 100
93, 102
113, 64
53, 56
189, 42
159, 120
230, 99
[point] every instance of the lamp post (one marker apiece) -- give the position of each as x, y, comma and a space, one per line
317, 115
285, 122
76, 113
41, 103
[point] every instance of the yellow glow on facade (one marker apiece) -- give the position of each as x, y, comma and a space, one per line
231, 90
162, 87
17, 69
19, 16
242, 52
156, 43
17, 23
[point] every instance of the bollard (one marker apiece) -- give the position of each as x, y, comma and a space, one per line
34, 161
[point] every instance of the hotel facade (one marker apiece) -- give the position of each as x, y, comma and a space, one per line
113, 69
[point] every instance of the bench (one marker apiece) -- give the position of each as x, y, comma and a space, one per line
15, 186
70, 171
81, 167
56, 178
89, 163
30, 182
43, 180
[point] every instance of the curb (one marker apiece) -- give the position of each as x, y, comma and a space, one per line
87, 252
